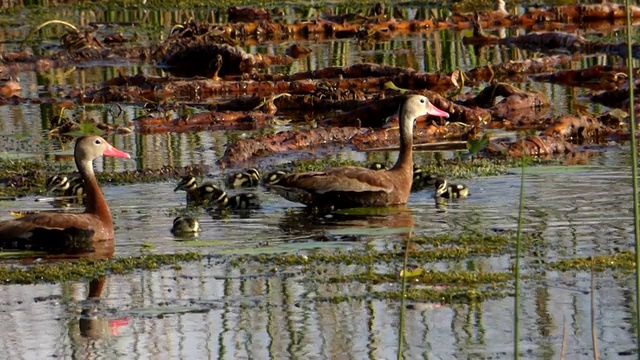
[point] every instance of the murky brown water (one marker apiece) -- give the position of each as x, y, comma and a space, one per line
211, 310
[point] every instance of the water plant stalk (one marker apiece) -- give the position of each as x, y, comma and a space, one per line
594, 331
634, 169
403, 294
516, 300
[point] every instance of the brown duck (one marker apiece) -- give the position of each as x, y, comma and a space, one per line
352, 186
94, 224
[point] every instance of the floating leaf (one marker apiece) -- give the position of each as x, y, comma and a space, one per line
411, 273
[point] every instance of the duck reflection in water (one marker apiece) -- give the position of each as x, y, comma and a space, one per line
307, 224
95, 326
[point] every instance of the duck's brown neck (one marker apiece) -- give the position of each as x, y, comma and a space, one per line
405, 157
95, 203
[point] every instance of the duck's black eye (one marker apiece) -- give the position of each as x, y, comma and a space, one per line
98, 142
422, 100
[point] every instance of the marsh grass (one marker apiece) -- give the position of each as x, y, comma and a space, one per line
634, 168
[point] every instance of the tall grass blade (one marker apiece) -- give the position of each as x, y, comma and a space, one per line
563, 350
634, 169
516, 301
594, 332
404, 295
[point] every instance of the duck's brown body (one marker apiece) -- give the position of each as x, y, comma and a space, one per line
63, 229
348, 186
352, 186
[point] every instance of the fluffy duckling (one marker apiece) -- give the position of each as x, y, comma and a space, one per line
66, 187
421, 179
184, 225
273, 177
450, 191
242, 201
377, 166
196, 194
249, 178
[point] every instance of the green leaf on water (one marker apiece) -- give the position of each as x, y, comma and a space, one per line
391, 86
411, 273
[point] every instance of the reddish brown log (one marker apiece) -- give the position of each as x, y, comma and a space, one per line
204, 121
573, 126
537, 146
244, 149
598, 77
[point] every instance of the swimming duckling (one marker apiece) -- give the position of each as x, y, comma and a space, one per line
196, 194
273, 177
242, 201
184, 225
450, 191
249, 178
421, 179
377, 166
62, 184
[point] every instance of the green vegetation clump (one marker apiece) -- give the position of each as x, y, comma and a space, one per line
624, 260
88, 268
373, 266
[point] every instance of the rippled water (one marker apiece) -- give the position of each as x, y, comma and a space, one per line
210, 309
213, 310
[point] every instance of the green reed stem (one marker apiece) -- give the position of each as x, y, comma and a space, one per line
404, 295
516, 301
634, 171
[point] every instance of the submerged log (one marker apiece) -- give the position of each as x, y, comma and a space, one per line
516, 103
574, 127
537, 146
243, 149
210, 60
204, 121
598, 77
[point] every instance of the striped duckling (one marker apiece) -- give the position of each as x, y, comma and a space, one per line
61, 184
184, 225
450, 191
378, 166
196, 194
273, 177
421, 179
242, 201
249, 178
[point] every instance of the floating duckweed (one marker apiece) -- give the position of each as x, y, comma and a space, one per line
459, 247
450, 168
452, 295
89, 269
624, 260
430, 277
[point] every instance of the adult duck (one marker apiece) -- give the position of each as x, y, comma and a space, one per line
352, 186
94, 224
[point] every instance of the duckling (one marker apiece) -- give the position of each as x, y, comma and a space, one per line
62, 184
450, 191
196, 194
273, 177
184, 225
421, 179
249, 178
242, 201
377, 166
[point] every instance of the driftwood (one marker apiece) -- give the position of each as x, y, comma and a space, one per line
204, 121
537, 146
574, 126
244, 149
